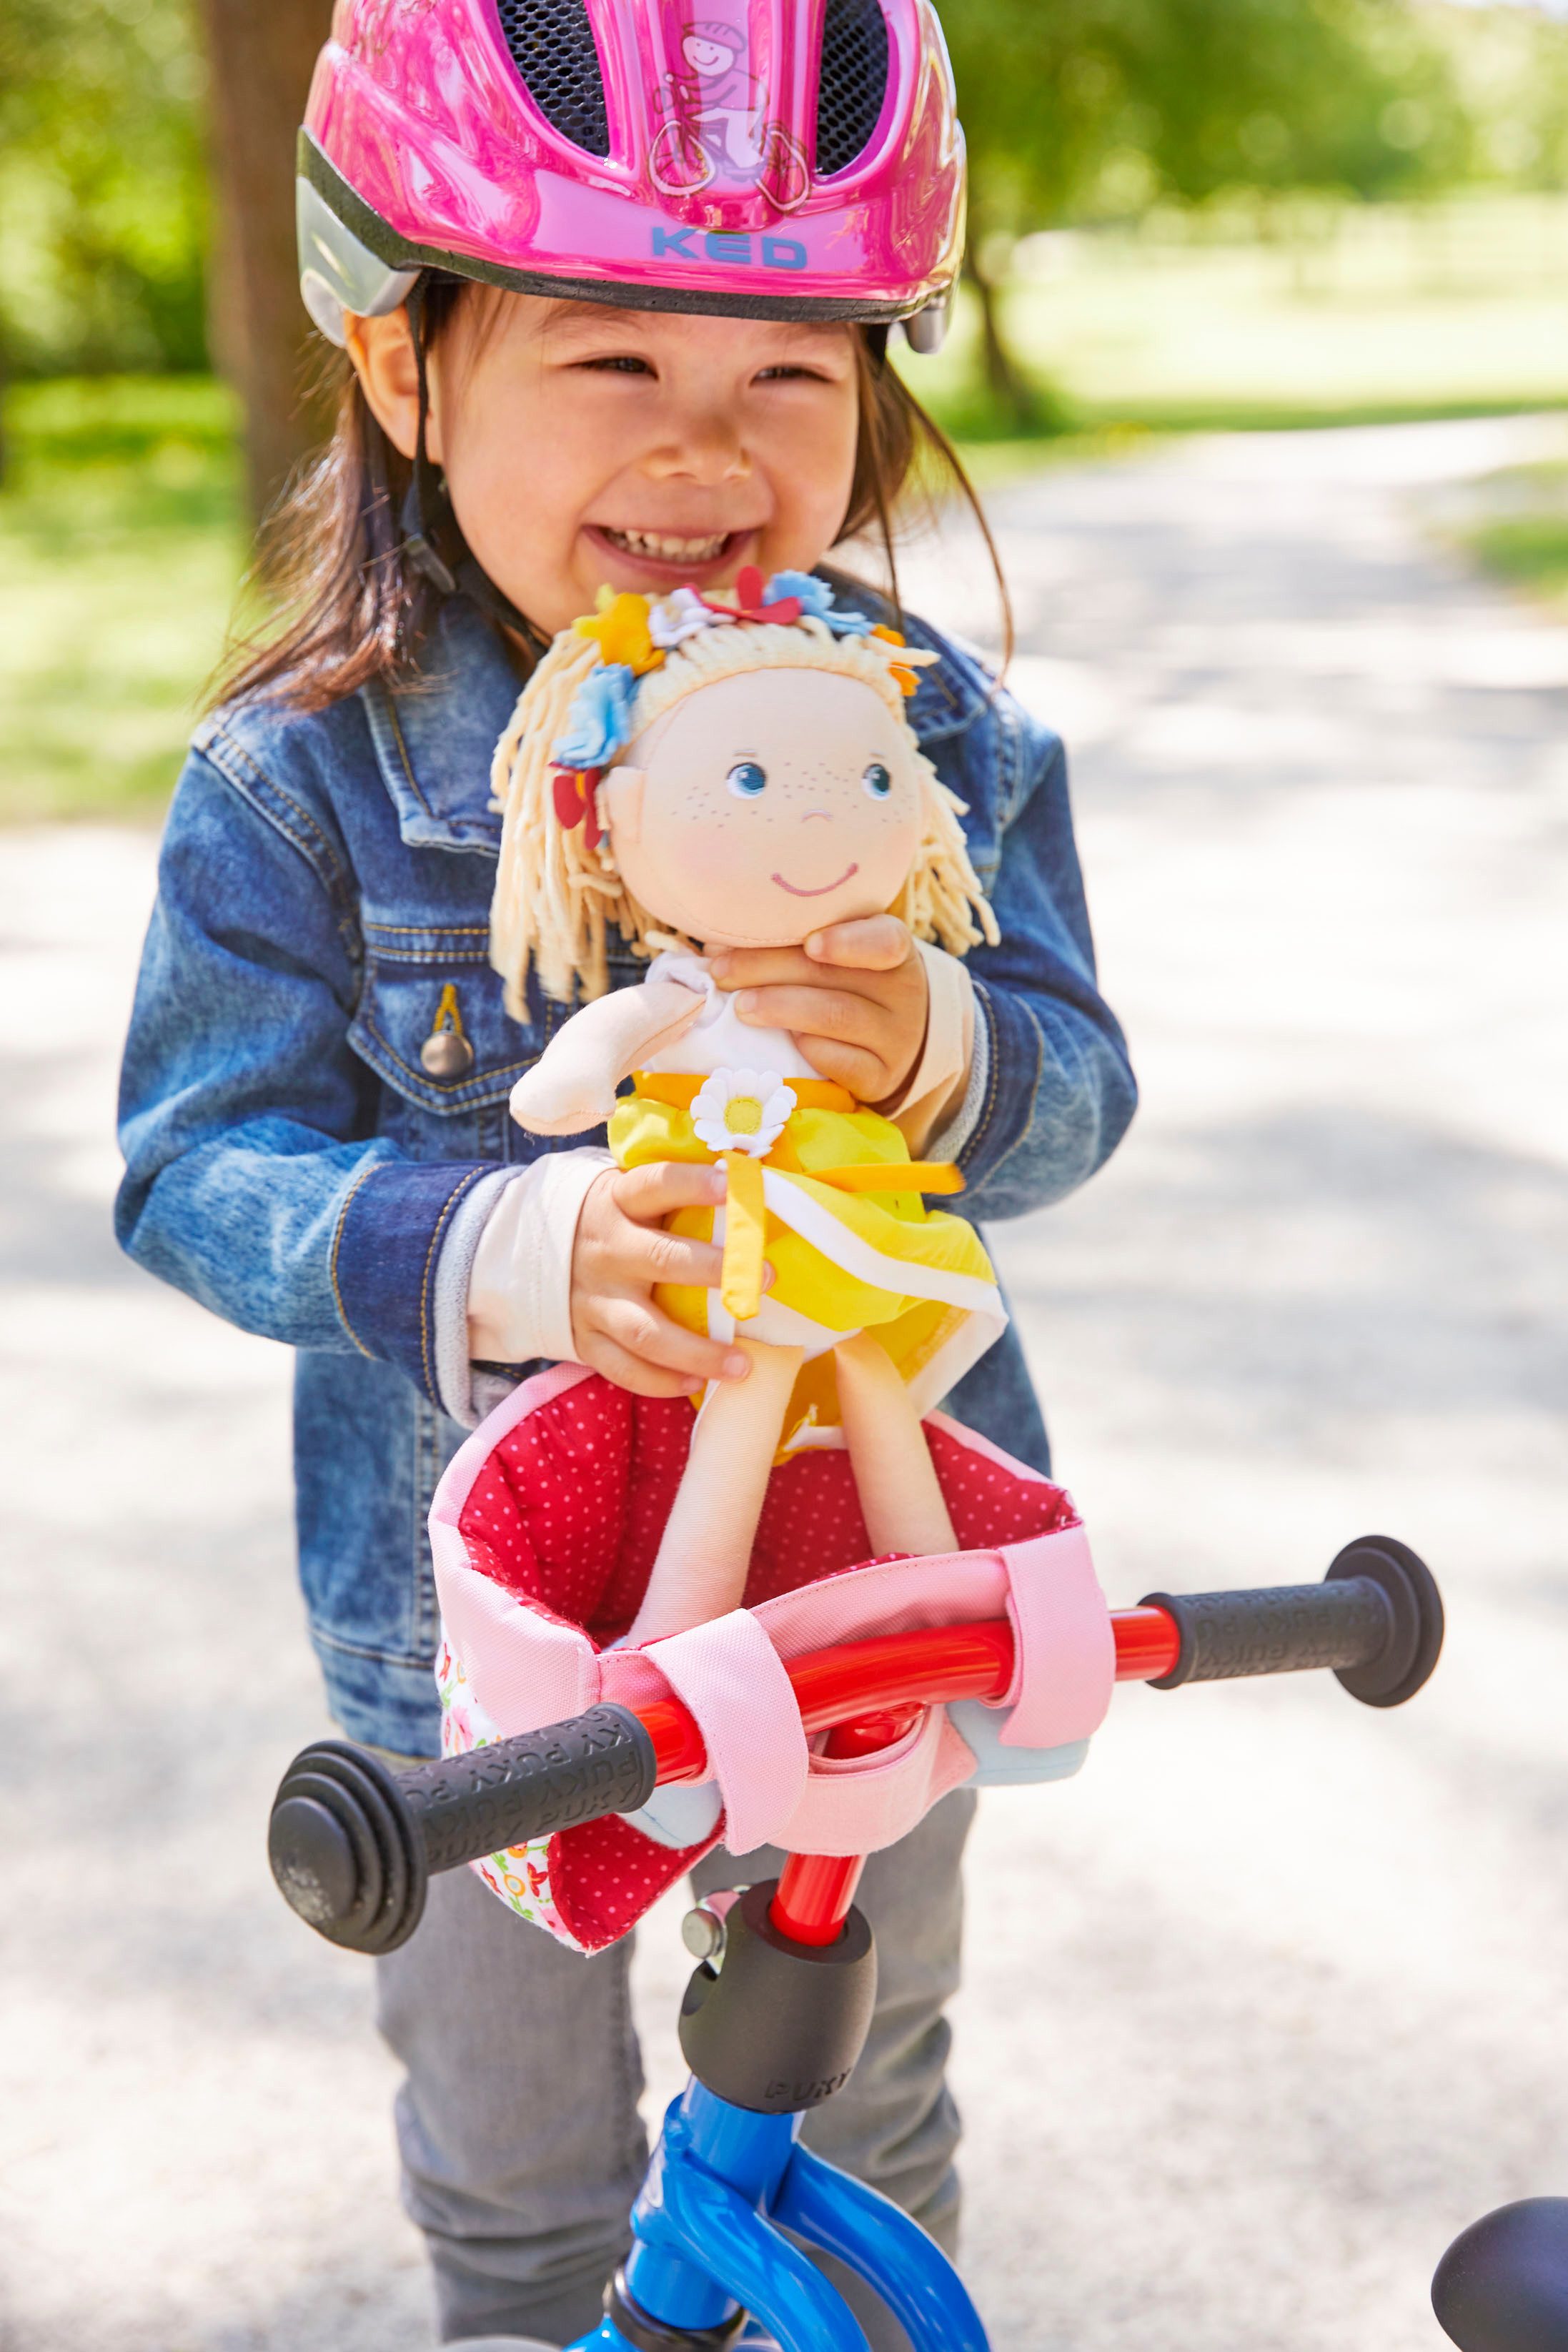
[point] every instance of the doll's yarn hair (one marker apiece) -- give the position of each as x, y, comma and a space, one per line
556, 900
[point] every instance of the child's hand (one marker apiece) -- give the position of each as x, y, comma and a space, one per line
619, 1254
855, 996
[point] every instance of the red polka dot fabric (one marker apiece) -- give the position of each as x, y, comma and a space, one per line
605, 1875
568, 1508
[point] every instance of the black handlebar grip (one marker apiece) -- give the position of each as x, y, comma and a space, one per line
353, 1842
1376, 1620
529, 1787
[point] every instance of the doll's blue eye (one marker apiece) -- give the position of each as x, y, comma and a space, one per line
876, 781
746, 780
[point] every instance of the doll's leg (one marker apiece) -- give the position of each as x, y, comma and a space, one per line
893, 1469
700, 1572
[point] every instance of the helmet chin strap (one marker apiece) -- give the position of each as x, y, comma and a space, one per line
432, 536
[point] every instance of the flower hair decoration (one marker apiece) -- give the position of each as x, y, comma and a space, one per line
609, 675
633, 635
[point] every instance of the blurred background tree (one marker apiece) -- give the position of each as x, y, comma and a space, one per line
1094, 110
1511, 68
136, 140
261, 54
103, 198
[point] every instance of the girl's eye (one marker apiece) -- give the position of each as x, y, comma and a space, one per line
876, 781
746, 780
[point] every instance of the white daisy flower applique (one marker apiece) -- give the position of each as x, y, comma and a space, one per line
742, 1110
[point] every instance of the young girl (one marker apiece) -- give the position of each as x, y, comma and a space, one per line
581, 355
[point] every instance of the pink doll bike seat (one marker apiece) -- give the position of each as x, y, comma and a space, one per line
544, 1532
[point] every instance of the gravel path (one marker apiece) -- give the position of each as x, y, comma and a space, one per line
1267, 2003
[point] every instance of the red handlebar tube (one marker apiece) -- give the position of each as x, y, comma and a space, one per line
815, 1892
868, 1694
676, 1743
1148, 1644
896, 1672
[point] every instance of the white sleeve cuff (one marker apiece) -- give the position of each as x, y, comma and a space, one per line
948, 1141
454, 1379
516, 1236
946, 1054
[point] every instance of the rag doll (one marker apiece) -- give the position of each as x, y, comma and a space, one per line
703, 776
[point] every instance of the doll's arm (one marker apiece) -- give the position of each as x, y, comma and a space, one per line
571, 1086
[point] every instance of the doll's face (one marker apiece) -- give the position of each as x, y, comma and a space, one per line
766, 806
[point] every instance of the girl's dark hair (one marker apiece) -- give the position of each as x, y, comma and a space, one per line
354, 607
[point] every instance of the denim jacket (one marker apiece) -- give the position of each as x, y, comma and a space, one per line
324, 886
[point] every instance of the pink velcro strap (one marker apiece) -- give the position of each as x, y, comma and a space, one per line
732, 1678
1066, 1667
860, 1804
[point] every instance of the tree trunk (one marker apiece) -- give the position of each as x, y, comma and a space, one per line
261, 55
1005, 381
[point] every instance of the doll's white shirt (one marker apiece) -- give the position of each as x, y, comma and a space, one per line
718, 1039
504, 1284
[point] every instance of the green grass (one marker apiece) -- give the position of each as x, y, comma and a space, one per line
1518, 527
120, 549
1337, 315
1533, 553
993, 460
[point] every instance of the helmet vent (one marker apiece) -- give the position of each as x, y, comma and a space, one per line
551, 45
854, 81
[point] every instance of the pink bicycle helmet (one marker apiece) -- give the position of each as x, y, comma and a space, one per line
797, 159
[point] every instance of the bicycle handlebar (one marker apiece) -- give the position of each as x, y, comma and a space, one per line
352, 1841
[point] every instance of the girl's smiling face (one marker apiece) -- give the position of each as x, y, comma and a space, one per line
766, 806
584, 445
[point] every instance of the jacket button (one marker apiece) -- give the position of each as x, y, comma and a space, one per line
447, 1055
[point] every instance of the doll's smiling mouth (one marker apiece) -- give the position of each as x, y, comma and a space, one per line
822, 889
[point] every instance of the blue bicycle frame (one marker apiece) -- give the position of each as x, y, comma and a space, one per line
709, 2245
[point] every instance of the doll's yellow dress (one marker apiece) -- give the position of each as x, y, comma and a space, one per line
815, 1178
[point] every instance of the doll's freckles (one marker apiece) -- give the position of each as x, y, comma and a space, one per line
827, 791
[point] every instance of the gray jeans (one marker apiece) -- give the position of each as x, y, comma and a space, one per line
518, 2125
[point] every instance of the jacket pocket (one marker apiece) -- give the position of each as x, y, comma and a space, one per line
432, 1026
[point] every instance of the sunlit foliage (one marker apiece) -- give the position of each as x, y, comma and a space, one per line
102, 186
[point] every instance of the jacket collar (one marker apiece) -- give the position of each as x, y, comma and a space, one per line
950, 695
435, 740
